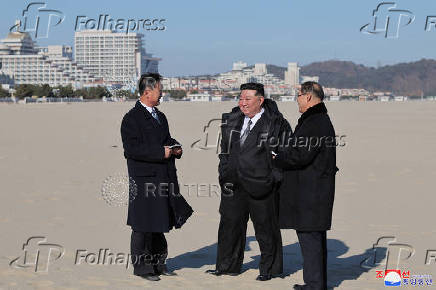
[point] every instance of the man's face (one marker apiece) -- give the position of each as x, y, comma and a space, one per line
249, 103
153, 96
303, 100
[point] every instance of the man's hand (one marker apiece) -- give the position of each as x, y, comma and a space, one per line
177, 151
167, 152
273, 155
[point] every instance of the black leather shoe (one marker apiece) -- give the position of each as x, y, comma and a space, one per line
264, 277
167, 273
150, 277
220, 273
299, 287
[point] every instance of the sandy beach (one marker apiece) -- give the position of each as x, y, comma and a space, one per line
55, 158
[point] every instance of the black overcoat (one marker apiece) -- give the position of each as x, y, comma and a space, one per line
250, 166
156, 204
309, 159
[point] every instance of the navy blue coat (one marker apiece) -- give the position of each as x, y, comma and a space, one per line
156, 205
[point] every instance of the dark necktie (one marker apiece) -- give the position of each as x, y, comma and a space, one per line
246, 132
154, 114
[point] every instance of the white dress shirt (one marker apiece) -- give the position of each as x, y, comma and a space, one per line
253, 121
150, 109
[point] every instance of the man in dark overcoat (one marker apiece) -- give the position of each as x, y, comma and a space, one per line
308, 187
249, 183
155, 206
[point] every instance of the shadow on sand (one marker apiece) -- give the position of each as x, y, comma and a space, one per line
339, 269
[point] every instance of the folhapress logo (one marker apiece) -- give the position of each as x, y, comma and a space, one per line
387, 252
388, 20
38, 254
38, 19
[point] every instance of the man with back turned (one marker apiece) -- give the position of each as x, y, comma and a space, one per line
307, 191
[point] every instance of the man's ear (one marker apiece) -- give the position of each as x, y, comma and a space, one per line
309, 98
261, 100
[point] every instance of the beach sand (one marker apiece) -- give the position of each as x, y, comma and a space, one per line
55, 158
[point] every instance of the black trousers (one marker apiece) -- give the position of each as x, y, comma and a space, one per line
149, 252
235, 210
314, 249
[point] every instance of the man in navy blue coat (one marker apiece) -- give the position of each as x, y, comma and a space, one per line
157, 206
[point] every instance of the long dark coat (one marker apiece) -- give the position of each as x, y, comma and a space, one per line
156, 204
308, 187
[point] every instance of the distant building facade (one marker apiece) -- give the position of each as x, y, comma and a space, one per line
292, 75
23, 63
117, 58
309, 79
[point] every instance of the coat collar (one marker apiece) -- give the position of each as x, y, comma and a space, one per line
139, 106
319, 108
147, 114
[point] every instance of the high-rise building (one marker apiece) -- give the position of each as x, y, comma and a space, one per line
292, 75
117, 58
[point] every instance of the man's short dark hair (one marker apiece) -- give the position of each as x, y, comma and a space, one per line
313, 88
148, 80
254, 86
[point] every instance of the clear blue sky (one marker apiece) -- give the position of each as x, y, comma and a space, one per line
207, 36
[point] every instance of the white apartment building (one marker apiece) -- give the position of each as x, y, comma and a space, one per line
117, 58
24, 64
232, 80
61, 56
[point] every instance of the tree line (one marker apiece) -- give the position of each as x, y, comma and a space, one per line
28, 90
